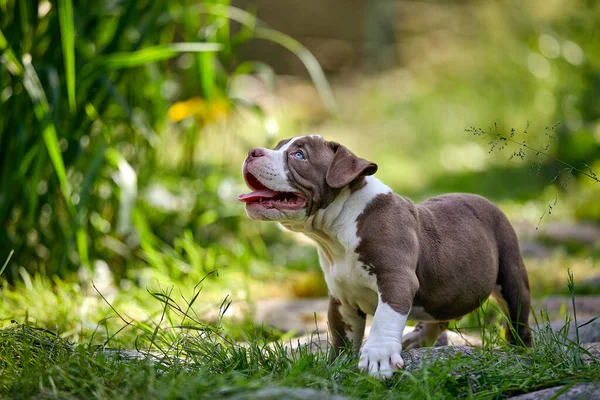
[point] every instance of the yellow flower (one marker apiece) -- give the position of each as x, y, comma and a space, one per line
203, 111
184, 109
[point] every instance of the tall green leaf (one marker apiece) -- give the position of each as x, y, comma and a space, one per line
262, 32
9, 60
41, 108
147, 55
67, 31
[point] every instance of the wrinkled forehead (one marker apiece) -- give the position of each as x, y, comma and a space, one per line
314, 141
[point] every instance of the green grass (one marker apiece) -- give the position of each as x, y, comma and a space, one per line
182, 357
97, 107
101, 106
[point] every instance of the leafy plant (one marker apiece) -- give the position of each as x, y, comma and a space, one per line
90, 94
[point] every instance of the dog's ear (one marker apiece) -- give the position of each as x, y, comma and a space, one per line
346, 167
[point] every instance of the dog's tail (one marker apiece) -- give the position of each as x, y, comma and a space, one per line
512, 289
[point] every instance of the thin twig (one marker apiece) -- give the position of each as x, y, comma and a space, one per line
522, 144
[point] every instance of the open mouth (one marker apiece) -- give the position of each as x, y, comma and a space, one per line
262, 196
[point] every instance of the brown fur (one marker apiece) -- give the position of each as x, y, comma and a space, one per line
445, 255
330, 167
337, 326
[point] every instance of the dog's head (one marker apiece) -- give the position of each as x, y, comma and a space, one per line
298, 177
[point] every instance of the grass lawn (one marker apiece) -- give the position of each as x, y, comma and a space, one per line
121, 141
180, 356
201, 361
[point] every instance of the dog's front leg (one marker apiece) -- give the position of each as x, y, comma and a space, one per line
380, 355
346, 324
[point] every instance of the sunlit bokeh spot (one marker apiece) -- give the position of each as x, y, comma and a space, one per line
538, 65
549, 46
572, 53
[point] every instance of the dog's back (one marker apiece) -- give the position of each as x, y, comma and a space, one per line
468, 243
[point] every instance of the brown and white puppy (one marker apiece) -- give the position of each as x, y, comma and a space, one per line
382, 254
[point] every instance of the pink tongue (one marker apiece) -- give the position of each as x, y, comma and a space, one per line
259, 194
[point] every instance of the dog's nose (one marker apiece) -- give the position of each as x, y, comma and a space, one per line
255, 153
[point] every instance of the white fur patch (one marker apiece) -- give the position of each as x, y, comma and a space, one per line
288, 144
380, 355
335, 231
270, 171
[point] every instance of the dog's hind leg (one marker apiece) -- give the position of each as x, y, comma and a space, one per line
512, 292
425, 334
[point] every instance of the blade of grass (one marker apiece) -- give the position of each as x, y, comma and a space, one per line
67, 32
149, 54
589, 322
206, 67
571, 286
35, 90
82, 246
262, 32
308, 59
26, 30
6, 262
10, 60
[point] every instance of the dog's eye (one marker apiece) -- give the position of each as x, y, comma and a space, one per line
298, 155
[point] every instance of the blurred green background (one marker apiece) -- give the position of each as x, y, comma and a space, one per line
124, 124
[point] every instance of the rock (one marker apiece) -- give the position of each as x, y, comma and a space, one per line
300, 315
448, 338
460, 339
311, 343
587, 334
320, 340
417, 358
307, 316
565, 392
413, 359
286, 393
594, 350
534, 249
587, 306
568, 233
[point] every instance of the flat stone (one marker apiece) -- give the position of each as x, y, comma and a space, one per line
587, 306
448, 338
533, 249
587, 334
300, 315
317, 341
417, 358
309, 316
594, 350
413, 359
565, 392
564, 232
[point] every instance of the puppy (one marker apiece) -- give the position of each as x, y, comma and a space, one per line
383, 255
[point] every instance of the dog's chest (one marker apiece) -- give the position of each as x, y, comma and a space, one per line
349, 282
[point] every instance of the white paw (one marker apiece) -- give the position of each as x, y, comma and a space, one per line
381, 358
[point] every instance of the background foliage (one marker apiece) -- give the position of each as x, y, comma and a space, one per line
85, 130
123, 125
